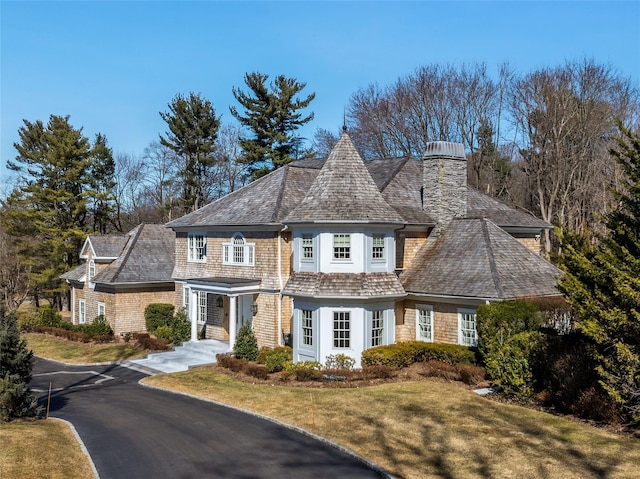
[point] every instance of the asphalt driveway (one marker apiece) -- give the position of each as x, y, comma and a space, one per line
136, 432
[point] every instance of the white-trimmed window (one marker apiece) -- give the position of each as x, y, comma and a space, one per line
306, 326
342, 246
377, 249
197, 246
307, 247
424, 323
186, 293
92, 273
238, 251
101, 309
467, 334
377, 328
341, 329
202, 306
82, 312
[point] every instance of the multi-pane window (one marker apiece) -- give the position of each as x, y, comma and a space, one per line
238, 251
186, 293
468, 334
307, 247
377, 249
101, 309
341, 329
377, 328
307, 327
342, 246
197, 248
92, 269
202, 306
424, 330
82, 312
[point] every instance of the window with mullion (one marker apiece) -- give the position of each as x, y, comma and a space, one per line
197, 248
342, 247
424, 328
377, 328
307, 247
307, 327
468, 334
377, 248
341, 329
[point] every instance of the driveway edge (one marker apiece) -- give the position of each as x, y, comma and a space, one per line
324, 440
83, 448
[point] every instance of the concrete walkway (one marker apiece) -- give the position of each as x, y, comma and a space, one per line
190, 354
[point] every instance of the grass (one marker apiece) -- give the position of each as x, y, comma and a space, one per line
421, 429
429, 429
59, 349
41, 449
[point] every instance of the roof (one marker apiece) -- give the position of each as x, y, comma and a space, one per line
475, 258
75, 274
147, 257
104, 246
384, 190
344, 285
343, 191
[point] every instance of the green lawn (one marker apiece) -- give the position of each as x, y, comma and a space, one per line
50, 347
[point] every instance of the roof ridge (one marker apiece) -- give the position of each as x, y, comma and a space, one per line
129, 246
495, 277
392, 176
283, 185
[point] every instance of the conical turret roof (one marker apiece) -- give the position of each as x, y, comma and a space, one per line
343, 192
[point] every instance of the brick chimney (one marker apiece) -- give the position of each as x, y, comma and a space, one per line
445, 182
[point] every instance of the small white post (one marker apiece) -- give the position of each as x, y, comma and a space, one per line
233, 313
194, 306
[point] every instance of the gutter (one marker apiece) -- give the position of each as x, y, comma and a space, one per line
280, 283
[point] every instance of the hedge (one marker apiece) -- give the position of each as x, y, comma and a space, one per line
406, 353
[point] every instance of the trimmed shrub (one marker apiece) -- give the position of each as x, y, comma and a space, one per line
257, 371
378, 372
340, 361
156, 315
246, 346
471, 374
275, 359
145, 341
99, 327
165, 333
230, 362
305, 370
406, 353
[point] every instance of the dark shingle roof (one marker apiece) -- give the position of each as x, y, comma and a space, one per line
105, 246
75, 274
305, 191
344, 285
475, 258
343, 191
148, 256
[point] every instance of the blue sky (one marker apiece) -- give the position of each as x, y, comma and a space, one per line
114, 65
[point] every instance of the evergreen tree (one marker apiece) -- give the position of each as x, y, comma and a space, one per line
15, 371
102, 183
602, 284
271, 115
48, 211
193, 129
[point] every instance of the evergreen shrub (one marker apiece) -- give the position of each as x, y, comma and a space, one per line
275, 359
156, 315
404, 354
246, 346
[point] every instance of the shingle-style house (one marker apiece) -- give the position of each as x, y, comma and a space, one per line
121, 275
345, 255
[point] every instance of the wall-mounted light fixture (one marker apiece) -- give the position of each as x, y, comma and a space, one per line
254, 308
219, 302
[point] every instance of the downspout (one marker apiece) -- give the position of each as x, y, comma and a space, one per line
280, 283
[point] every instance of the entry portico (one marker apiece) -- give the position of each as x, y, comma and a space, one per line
240, 293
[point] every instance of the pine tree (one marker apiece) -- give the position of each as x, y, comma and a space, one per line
193, 129
102, 183
602, 284
271, 115
15, 371
48, 211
